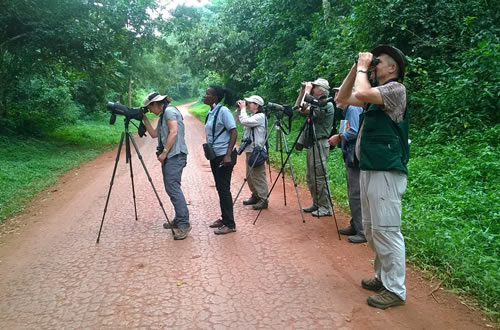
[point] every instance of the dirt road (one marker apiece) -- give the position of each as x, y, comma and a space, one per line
278, 274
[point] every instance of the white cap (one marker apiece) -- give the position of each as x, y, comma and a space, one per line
321, 82
255, 99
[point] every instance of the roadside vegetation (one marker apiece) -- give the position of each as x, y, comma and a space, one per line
61, 61
31, 164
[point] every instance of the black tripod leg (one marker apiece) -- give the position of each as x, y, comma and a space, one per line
316, 202
151, 181
326, 180
281, 170
282, 136
111, 184
294, 183
239, 191
129, 160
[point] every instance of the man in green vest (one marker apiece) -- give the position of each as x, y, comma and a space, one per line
315, 139
383, 152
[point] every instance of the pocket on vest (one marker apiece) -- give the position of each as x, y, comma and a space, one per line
381, 152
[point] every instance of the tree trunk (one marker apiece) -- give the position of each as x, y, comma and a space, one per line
129, 92
327, 11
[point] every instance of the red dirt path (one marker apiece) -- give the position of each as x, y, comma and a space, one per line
278, 274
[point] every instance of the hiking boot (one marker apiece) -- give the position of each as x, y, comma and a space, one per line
347, 231
181, 233
170, 225
251, 201
319, 213
216, 224
310, 209
373, 284
384, 299
224, 230
262, 204
358, 238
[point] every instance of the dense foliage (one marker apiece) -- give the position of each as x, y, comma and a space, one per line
63, 60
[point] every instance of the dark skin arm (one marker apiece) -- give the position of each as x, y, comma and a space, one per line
226, 161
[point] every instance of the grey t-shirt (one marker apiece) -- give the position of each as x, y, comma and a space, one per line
172, 113
394, 97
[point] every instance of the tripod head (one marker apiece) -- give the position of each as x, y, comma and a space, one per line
280, 111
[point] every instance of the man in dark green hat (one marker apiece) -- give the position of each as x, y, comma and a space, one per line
383, 152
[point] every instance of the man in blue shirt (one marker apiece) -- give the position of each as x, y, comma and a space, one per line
347, 141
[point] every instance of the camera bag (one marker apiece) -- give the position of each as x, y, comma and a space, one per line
258, 156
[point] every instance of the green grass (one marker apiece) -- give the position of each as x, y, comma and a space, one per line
199, 110
451, 215
29, 165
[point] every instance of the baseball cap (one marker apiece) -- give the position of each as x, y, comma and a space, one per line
255, 99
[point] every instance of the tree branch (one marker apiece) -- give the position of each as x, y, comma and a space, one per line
12, 39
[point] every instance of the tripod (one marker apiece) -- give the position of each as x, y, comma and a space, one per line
312, 131
128, 159
281, 135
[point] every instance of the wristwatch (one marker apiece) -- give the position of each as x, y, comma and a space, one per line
362, 70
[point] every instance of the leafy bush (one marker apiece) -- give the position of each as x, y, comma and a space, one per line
42, 104
450, 219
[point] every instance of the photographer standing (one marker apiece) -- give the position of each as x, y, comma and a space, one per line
172, 154
221, 135
383, 153
254, 135
347, 141
317, 150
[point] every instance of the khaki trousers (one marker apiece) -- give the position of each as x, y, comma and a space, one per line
317, 178
381, 194
256, 178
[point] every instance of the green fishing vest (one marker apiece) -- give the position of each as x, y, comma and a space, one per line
384, 143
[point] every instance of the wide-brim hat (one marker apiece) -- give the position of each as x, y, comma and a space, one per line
396, 54
321, 82
153, 97
255, 99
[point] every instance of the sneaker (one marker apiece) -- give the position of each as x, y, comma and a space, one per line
319, 213
384, 299
373, 284
170, 225
224, 230
310, 209
251, 201
262, 204
358, 238
181, 233
216, 224
347, 231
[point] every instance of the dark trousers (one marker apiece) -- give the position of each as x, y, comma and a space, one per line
222, 178
353, 190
